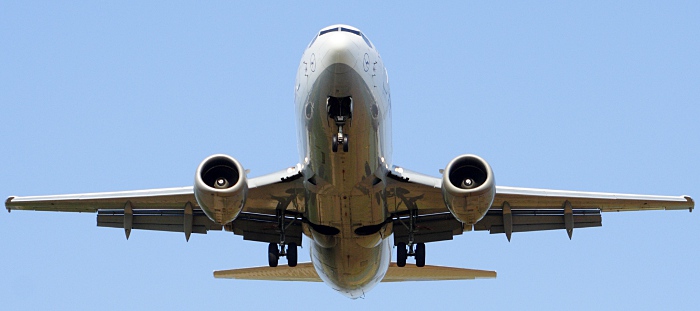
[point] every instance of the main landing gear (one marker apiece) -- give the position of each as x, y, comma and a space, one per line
416, 250
340, 110
403, 251
276, 250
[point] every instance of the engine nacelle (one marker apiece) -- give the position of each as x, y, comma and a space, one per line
468, 188
220, 188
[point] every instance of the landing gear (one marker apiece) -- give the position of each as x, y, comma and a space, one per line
420, 254
417, 250
340, 110
401, 254
275, 250
292, 254
273, 254
403, 251
338, 139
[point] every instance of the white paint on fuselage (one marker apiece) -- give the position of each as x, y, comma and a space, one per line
342, 63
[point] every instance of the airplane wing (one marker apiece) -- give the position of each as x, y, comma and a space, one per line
176, 209
513, 210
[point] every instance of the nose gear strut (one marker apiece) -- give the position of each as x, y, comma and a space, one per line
340, 110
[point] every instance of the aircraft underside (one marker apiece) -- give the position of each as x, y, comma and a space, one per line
344, 187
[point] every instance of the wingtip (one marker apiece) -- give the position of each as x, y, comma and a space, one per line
7, 203
690, 202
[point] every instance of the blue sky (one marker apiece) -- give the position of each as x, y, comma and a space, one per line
592, 96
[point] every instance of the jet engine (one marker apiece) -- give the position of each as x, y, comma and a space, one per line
220, 188
468, 188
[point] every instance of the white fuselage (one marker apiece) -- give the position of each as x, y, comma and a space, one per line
346, 207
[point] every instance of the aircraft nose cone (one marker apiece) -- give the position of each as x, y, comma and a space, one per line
339, 49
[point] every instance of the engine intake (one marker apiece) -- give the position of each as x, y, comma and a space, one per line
468, 188
220, 188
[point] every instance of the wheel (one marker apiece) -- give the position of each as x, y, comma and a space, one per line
292, 254
401, 254
335, 143
420, 254
345, 143
273, 254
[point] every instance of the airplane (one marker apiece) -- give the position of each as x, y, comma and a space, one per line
345, 194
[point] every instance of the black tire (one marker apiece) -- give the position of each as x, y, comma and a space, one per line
420, 254
292, 254
345, 144
335, 143
401, 254
273, 254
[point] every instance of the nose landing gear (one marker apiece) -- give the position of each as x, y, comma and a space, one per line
338, 139
340, 110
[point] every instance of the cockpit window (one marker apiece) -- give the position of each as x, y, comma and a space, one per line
350, 30
366, 40
343, 29
312, 41
323, 32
